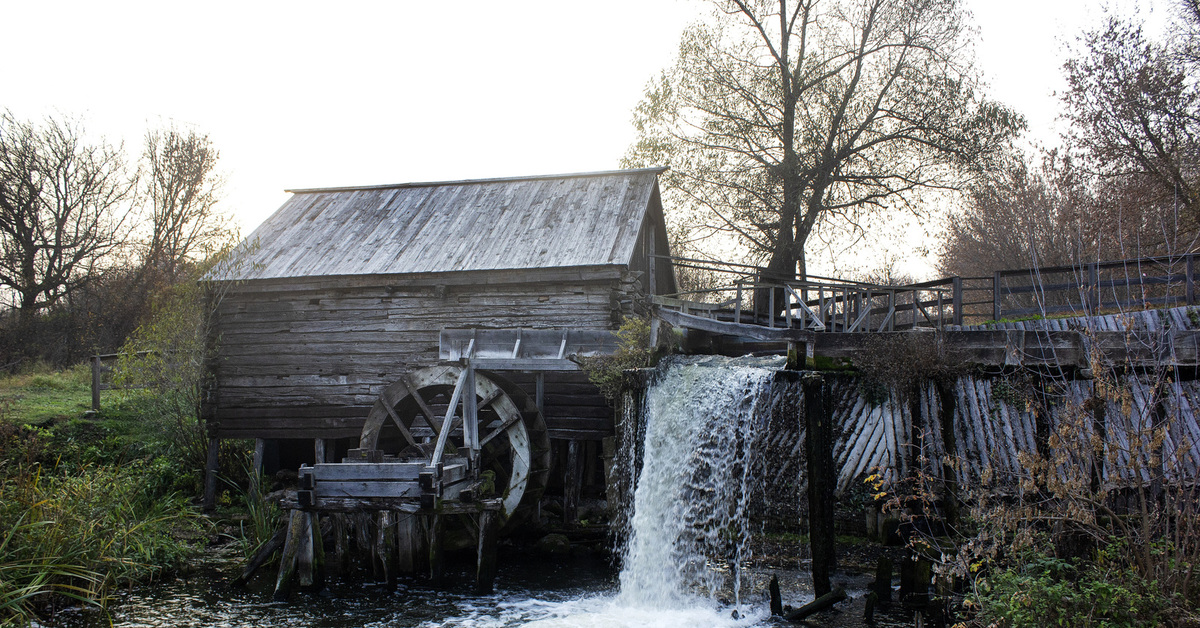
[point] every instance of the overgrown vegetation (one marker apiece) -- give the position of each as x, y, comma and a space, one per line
1099, 524
610, 373
85, 504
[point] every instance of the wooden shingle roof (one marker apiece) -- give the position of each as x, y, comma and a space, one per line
590, 219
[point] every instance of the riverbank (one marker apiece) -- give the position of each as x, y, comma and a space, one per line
89, 502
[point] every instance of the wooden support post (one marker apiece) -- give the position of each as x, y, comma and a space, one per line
957, 299
256, 467
737, 306
96, 383
996, 302
336, 565
822, 480
385, 546
771, 308
406, 543
319, 451
305, 556
539, 392
420, 544
471, 416
318, 551
209, 501
571, 484
437, 567
287, 562
485, 564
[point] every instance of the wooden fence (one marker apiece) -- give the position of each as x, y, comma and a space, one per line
751, 295
102, 375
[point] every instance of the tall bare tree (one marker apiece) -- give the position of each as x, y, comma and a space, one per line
783, 117
63, 204
181, 186
1134, 108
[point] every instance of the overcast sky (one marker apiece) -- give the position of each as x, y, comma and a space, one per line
306, 94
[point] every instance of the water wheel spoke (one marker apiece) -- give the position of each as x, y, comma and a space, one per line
389, 405
500, 430
426, 412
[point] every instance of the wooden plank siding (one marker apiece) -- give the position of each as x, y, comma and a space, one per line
309, 363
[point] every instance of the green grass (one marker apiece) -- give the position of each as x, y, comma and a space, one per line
42, 396
87, 503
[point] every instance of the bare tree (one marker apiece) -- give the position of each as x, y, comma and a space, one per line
181, 186
1134, 107
780, 118
62, 209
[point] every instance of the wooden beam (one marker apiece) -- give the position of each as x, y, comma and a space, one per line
756, 332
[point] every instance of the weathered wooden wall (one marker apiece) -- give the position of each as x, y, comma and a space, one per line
305, 358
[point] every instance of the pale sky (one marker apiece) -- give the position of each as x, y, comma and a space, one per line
307, 94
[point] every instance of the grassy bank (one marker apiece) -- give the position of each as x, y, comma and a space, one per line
86, 503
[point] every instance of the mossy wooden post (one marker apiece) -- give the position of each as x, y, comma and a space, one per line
304, 551
287, 561
485, 566
385, 546
822, 479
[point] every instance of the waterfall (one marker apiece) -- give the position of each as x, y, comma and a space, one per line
688, 531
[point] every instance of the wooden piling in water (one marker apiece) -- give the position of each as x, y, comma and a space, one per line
822, 480
407, 547
486, 566
437, 569
287, 562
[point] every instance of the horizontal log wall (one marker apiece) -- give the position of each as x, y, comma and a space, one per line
309, 362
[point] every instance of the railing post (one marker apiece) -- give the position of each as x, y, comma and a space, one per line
737, 307
956, 299
1094, 286
771, 306
787, 310
1189, 287
996, 311
96, 383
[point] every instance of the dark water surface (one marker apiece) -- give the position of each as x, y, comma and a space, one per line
536, 592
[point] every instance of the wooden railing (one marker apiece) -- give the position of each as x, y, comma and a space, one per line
753, 296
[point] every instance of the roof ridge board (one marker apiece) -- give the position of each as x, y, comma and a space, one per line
574, 175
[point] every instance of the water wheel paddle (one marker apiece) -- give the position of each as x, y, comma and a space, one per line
514, 445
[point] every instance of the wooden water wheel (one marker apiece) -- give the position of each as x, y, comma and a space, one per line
408, 418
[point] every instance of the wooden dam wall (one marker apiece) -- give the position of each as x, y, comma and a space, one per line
985, 425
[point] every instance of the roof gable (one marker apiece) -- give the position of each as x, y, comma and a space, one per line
493, 224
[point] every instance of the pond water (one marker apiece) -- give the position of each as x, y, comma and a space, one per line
530, 591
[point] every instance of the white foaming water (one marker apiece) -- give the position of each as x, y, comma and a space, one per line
689, 530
